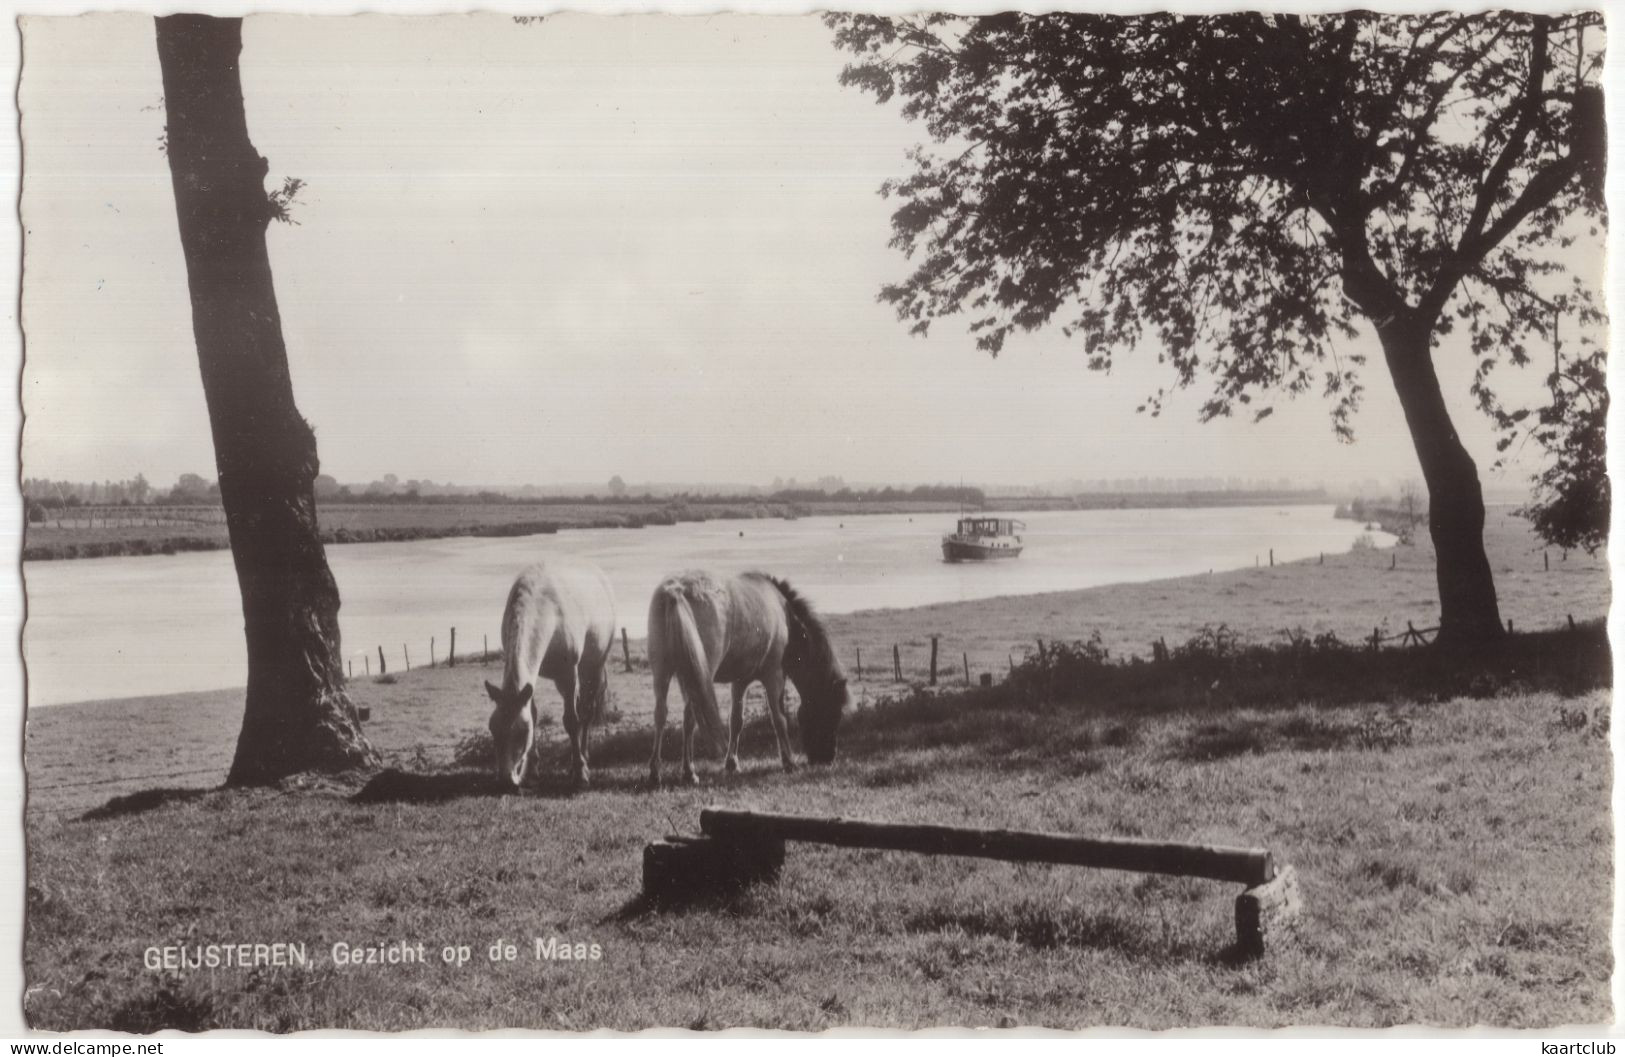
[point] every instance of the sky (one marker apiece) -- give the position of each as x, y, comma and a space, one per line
643, 246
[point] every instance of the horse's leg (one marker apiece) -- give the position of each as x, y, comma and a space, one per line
662, 686
736, 723
773, 683
568, 687
600, 705
691, 722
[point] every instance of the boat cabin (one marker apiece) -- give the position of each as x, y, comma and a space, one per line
990, 526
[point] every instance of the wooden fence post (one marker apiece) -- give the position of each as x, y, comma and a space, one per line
1547, 557
485, 641
383, 669
1272, 557
860, 663
966, 658
408, 655
431, 652
626, 651
349, 667
1393, 561
896, 663
451, 658
1509, 625
933, 660
1571, 621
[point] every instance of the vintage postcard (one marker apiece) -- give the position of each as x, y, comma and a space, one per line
815, 521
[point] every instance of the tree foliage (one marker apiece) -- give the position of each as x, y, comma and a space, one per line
1244, 188
1570, 506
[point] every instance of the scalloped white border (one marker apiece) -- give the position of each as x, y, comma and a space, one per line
12, 879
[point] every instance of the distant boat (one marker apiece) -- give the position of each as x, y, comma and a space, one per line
981, 539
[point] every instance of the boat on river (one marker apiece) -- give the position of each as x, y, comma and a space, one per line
981, 539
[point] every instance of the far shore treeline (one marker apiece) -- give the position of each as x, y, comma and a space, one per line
68, 520
193, 490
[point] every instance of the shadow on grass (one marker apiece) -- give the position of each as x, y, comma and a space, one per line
549, 780
145, 800
396, 786
1241, 736
1009, 736
169, 1007
1043, 927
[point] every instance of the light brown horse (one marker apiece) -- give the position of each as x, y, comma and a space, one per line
559, 624
704, 629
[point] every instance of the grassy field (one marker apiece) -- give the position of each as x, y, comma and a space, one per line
1455, 848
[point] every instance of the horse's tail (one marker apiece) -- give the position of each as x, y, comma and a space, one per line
692, 670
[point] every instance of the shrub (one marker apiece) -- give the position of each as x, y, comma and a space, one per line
1383, 731
1578, 721
476, 750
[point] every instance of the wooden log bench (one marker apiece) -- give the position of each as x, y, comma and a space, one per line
739, 848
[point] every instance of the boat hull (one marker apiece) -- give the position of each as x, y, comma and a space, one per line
969, 551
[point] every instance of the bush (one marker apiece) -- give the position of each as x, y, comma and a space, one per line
1378, 731
1217, 667
476, 750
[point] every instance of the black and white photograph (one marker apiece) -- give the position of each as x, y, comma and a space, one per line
815, 521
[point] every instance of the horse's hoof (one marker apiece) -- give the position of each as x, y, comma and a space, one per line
691, 778
789, 766
731, 765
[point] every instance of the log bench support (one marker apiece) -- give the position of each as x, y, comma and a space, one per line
681, 870
1267, 914
740, 848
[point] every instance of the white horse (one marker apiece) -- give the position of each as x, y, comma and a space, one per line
704, 630
559, 624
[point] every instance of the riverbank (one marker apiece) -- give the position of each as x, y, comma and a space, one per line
123, 533
1455, 851
106, 532
423, 714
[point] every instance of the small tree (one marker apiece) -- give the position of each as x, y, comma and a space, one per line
1572, 499
1245, 190
1414, 503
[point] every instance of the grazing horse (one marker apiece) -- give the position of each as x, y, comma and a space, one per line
704, 629
559, 624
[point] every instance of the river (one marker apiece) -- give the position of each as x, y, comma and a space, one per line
132, 626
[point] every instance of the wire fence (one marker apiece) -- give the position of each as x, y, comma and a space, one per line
883, 667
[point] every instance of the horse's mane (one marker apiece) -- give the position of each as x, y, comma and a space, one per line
809, 640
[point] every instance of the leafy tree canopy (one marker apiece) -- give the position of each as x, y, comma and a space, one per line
1244, 187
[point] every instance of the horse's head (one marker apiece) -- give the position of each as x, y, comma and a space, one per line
822, 702
811, 664
513, 732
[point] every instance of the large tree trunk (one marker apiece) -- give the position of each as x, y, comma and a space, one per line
297, 716
1469, 614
